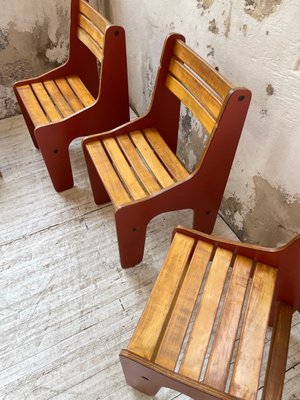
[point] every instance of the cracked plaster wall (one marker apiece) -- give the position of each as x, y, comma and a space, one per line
254, 43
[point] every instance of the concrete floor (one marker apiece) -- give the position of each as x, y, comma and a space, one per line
66, 305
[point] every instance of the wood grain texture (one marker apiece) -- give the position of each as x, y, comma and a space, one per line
97, 19
80, 90
220, 357
108, 175
91, 29
209, 74
90, 43
151, 159
198, 341
33, 107
58, 99
159, 306
46, 102
245, 378
171, 162
169, 348
69, 94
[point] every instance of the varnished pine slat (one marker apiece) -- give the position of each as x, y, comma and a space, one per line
197, 87
58, 99
159, 305
209, 74
151, 159
199, 338
46, 102
275, 373
69, 95
91, 29
110, 179
191, 102
80, 90
123, 168
170, 345
90, 43
245, 378
95, 17
33, 107
171, 162
149, 182
223, 345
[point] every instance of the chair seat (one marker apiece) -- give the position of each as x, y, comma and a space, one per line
135, 165
52, 100
206, 321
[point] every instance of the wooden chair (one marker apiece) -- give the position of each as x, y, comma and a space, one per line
184, 337
73, 100
136, 165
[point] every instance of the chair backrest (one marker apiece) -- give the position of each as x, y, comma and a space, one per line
91, 29
199, 86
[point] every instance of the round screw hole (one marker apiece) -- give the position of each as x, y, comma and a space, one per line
116, 33
55, 151
146, 379
241, 98
207, 212
135, 229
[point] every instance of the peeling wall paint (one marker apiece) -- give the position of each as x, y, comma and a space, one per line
33, 39
254, 43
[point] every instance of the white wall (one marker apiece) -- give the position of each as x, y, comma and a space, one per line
254, 43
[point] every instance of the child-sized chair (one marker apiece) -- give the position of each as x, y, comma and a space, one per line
136, 166
190, 327
73, 100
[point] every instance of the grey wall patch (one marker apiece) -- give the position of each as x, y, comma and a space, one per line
213, 26
205, 4
260, 9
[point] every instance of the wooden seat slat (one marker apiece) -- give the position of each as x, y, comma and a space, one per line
91, 29
151, 159
171, 162
245, 378
220, 356
96, 18
69, 94
168, 351
58, 99
81, 91
109, 177
33, 107
200, 90
157, 311
149, 182
90, 43
191, 102
46, 102
218, 83
199, 338
125, 172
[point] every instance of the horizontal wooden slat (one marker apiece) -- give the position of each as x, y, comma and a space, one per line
274, 379
170, 345
69, 94
46, 102
199, 338
209, 74
93, 15
91, 29
151, 159
199, 89
155, 315
191, 102
58, 99
245, 378
149, 182
90, 43
171, 162
32, 106
223, 345
110, 179
81, 91
123, 168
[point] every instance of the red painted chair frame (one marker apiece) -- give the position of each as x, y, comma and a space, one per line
110, 90
148, 377
202, 191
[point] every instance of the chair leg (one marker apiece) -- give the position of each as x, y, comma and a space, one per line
98, 189
204, 220
131, 233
